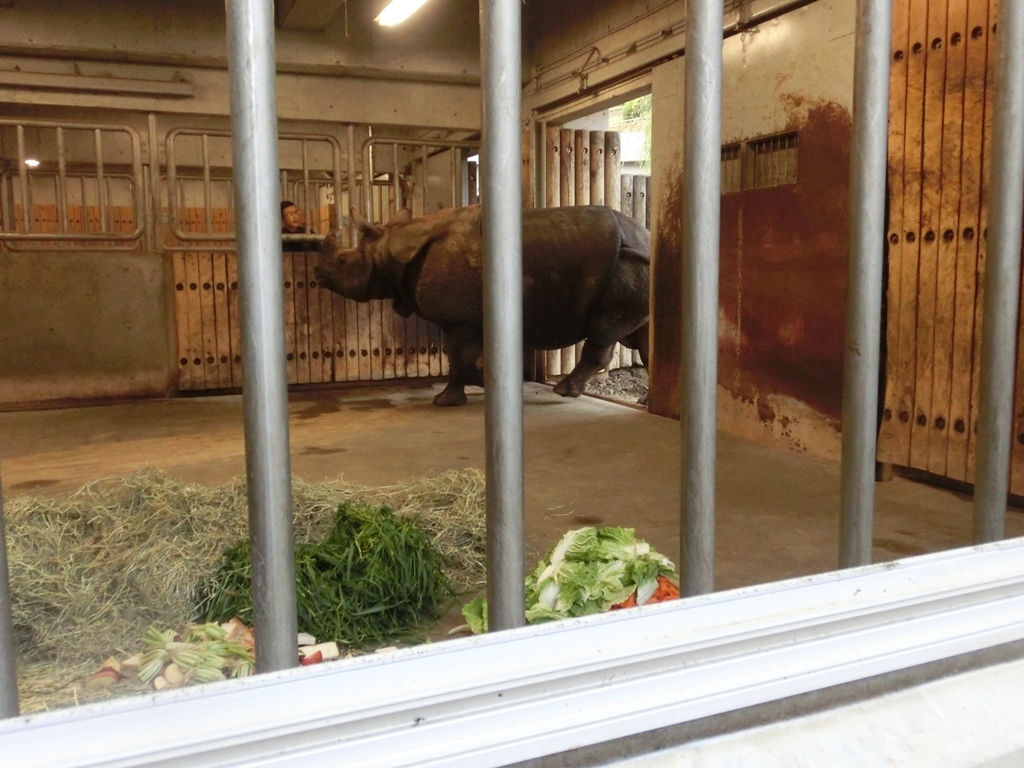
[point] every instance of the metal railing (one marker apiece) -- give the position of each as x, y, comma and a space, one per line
422, 152
17, 188
208, 175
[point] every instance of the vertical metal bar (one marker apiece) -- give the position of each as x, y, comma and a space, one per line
305, 185
250, 32
137, 183
284, 186
62, 183
146, 183
353, 186
8, 671
156, 206
7, 203
868, 160
172, 185
426, 177
336, 165
500, 23
540, 158
102, 197
368, 182
207, 201
455, 179
702, 147
1002, 279
26, 197
394, 177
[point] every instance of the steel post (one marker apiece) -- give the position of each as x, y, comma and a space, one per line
353, 185
864, 279
8, 671
155, 205
1002, 279
250, 32
500, 23
702, 149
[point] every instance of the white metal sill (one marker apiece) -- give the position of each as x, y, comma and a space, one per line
512, 696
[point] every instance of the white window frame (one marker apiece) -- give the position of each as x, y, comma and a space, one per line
538, 691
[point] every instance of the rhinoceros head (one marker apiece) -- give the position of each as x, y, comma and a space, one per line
358, 273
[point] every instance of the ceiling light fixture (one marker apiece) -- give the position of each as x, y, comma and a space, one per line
398, 11
32, 162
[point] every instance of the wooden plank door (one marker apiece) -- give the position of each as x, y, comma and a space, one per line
940, 123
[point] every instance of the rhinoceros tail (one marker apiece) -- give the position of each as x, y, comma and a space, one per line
635, 242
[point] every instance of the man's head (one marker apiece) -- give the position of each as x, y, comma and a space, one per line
290, 216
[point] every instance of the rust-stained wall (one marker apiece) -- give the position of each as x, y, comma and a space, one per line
783, 250
782, 287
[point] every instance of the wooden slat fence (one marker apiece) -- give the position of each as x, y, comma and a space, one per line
327, 338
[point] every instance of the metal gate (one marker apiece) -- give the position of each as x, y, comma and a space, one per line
76, 186
327, 338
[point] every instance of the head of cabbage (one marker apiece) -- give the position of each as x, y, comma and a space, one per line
588, 571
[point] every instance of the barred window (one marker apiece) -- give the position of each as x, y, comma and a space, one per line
732, 169
772, 161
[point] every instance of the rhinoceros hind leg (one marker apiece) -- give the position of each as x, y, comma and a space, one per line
592, 359
451, 396
639, 341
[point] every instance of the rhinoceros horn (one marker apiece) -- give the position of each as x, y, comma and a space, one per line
370, 230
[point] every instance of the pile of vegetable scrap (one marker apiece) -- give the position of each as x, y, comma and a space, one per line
591, 570
200, 653
375, 578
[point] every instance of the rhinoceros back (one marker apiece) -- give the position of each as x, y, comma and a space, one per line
569, 256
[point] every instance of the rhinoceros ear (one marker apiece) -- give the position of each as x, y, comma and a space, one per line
370, 230
401, 217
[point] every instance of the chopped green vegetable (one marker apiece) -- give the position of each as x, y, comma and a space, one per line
588, 571
373, 580
475, 613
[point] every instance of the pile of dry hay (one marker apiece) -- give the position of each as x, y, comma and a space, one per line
91, 570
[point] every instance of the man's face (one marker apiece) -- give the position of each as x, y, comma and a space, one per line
290, 218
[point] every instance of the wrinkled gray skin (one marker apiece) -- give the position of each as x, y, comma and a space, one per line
585, 277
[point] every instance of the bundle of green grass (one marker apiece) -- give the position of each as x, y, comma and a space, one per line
90, 571
373, 579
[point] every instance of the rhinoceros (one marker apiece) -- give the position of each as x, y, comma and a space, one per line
585, 278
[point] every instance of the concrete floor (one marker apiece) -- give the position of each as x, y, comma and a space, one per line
587, 461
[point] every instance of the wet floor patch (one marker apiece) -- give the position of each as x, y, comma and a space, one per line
314, 451
374, 404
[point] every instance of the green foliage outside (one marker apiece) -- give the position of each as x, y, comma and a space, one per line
638, 113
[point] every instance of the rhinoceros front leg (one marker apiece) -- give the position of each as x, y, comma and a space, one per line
593, 358
465, 347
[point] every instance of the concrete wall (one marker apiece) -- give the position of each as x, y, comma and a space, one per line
783, 249
424, 72
82, 325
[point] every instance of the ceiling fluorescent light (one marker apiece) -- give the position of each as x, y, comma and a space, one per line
32, 162
398, 11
